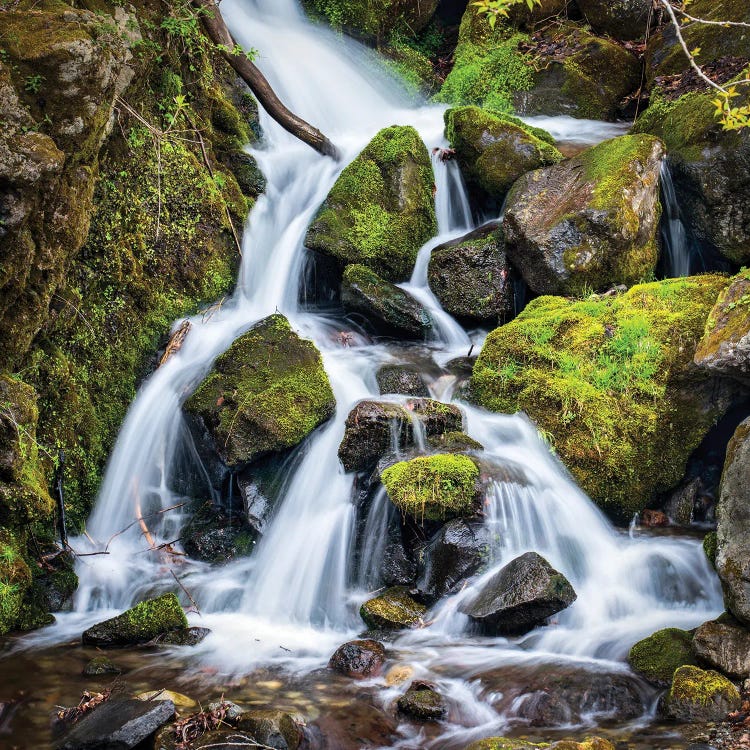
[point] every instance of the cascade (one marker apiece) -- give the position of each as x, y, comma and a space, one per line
680, 256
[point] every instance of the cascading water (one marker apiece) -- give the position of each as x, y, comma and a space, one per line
680, 257
298, 588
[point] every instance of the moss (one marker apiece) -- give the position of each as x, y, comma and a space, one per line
657, 657
433, 487
608, 380
15, 580
411, 66
710, 547
504, 743
455, 442
700, 687
393, 609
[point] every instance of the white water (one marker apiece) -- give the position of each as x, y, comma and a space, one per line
292, 602
678, 255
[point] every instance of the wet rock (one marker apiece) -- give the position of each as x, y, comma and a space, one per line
433, 488
397, 567
470, 276
589, 222
179, 700
520, 596
725, 346
386, 308
185, 637
359, 659
725, 647
277, 729
699, 695
380, 211
117, 725
226, 739
398, 674
591, 743
422, 702
680, 505
232, 711
394, 609
454, 554
215, 537
100, 665
710, 547
402, 379
266, 393
502, 743
652, 519
140, 624
657, 657
455, 442
620, 19
436, 417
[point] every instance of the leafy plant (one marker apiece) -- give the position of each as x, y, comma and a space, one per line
495, 9
33, 83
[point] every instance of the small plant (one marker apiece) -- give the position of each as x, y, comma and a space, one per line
33, 83
495, 9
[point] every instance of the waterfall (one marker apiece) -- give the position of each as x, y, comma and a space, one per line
679, 257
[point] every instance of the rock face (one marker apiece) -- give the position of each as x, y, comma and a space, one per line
380, 211
359, 659
493, 152
657, 657
385, 307
520, 596
402, 379
433, 488
699, 695
471, 277
590, 222
266, 393
725, 647
422, 702
733, 525
140, 624
595, 367
725, 346
394, 609
620, 19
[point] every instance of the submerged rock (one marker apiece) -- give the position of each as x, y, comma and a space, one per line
100, 665
422, 702
277, 729
520, 596
266, 393
657, 657
380, 211
699, 695
394, 609
184, 637
590, 222
386, 307
724, 646
359, 659
402, 379
502, 743
140, 624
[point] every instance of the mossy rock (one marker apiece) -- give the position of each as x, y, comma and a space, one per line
266, 393
610, 381
504, 743
494, 151
15, 582
710, 544
433, 488
272, 728
394, 609
699, 695
657, 657
139, 624
590, 222
422, 702
380, 210
621, 19
590, 743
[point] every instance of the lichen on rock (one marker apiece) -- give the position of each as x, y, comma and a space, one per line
657, 657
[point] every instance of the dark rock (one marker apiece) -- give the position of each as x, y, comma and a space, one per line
699, 695
422, 702
680, 505
620, 19
725, 647
245, 168
117, 725
392, 610
471, 277
402, 379
454, 554
455, 442
436, 417
654, 518
397, 567
657, 657
217, 538
100, 665
520, 596
186, 637
359, 659
385, 307
276, 729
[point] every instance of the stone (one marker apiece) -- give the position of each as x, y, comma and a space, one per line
100, 665
520, 596
215, 537
277, 729
401, 379
590, 222
179, 700
359, 659
385, 307
422, 702
699, 695
657, 657
140, 624
394, 609
654, 518
397, 567
184, 637
725, 647
620, 19
471, 278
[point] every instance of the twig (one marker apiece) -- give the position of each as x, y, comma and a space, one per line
705, 21
187, 593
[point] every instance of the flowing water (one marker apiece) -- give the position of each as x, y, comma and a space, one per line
291, 603
680, 256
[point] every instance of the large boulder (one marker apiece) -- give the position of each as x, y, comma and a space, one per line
386, 307
733, 525
380, 211
589, 222
140, 624
394, 609
471, 277
358, 659
493, 152
724, 646
620, 19
610, 379
520, 596
433, 488
266, 393
725, 346
657, 657
699, 695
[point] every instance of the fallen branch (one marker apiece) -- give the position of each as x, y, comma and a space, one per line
187, 593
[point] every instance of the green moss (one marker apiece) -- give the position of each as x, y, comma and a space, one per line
411, 66
393, 609
700, 687
657, 657
607, 379
433, 487
710, 547
15, 580
503, 743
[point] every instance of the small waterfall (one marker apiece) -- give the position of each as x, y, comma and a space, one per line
679, 254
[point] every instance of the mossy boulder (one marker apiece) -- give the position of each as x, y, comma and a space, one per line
657, 657
433, 488
470, 276
139, 624
610, 380
394, 609
273, 728
422, 702
620, 19
589, 222
266, 393
386, 308
699, 695
493, 151
380, 211
520, 596
724, 646
725, 346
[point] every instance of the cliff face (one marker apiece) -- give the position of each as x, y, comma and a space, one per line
123, 192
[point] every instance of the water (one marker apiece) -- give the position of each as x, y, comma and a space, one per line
295, 599
680, 256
